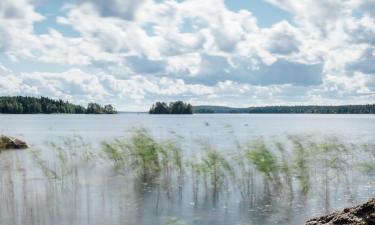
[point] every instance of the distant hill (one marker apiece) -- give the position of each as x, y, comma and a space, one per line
43, 105
312, 109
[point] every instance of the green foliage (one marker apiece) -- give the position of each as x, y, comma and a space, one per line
263, 159
114, 153
109, 109
301, 164
367, 167
94, 108
68, 154
145, 155
216, 167
144, 152
175, 221
171, 157
160, 108
177, 107
285, 167
32, 105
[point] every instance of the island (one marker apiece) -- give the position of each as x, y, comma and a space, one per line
178, 107
44, 105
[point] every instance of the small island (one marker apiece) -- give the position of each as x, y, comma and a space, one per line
43, 105
178, 107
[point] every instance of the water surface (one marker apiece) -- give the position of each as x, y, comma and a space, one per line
92, 192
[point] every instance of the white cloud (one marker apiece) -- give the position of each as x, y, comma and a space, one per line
195, 50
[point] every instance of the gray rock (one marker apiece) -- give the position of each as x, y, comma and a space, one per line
358, 215
11, 143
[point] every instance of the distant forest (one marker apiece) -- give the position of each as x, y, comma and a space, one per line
32, 105
177, 107
343, 109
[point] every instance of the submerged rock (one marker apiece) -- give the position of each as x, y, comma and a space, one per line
358, 215
11, 143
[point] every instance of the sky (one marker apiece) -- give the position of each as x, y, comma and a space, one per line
131, 53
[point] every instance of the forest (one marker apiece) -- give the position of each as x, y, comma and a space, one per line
312, 109
43, 105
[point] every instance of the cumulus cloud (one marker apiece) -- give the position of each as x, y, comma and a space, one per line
365, 62
283, 39
368, 7
116, 8
16, 26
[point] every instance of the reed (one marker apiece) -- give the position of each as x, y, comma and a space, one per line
216, 167
264, 160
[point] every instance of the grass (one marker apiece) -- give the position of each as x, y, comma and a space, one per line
216, 167
263, 160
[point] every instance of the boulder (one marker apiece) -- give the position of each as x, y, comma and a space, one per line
11, 143
358, 215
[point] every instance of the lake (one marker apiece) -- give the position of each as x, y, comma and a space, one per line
314, 164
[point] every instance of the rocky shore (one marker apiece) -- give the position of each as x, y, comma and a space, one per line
358, 215
7, 143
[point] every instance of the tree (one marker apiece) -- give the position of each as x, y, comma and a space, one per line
94, 108
109, 109
177, 107
159, 108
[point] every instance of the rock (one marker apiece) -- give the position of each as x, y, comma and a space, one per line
358, 215
11, 143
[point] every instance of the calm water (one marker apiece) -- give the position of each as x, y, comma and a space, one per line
93, 193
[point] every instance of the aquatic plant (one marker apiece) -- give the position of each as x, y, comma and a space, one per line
301, 164
367, 167
195, 169
216, 167
143, 154
147, 157
175, 221
245, 177
171, 166
331, 156
286, 170
115, 153
263, 160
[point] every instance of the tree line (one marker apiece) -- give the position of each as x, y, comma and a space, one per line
177, 107
313, 109
44, 105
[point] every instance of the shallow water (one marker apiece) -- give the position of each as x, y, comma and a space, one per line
38, 186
